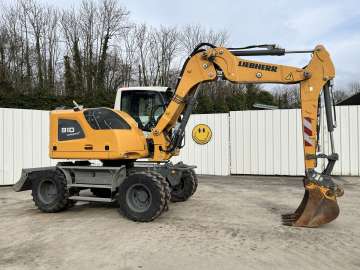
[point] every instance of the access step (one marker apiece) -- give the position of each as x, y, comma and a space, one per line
89, 186
91, 199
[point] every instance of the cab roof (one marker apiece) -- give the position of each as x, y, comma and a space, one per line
151, 88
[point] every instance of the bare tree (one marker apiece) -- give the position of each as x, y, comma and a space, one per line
340, 95
354, 87
157, 50
165, 43
102, 49
192, 35
71, 31
143, 48
36, 16
70, 27
113, 23
99, 50
87, 19
88, 33
23, 7
287, 97
129, 57
3, 60
51, 54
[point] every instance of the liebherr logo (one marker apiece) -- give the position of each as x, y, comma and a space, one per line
258, 66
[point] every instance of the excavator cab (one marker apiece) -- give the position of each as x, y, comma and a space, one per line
144, 104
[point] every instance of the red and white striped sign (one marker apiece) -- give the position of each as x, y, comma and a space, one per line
308, 132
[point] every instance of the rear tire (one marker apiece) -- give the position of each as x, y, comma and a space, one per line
49, 191
196, 181
143, 196
186, 188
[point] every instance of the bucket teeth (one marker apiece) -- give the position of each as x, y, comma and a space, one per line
289, 219
287, 223
290, 216
339, 191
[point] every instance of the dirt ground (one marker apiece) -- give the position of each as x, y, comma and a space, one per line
230, 223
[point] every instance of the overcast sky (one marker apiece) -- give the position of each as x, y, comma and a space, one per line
291, 24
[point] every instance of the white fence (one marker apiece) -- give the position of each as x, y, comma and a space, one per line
270, 143
211, 158
24, 139
245, 142
266, 142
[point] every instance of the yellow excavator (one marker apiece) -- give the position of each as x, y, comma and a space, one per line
144, 188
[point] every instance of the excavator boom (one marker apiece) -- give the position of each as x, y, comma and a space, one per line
319, 205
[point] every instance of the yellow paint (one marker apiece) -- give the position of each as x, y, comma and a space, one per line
326, 192
201, 134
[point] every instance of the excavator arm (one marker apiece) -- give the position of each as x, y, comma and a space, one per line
319, 204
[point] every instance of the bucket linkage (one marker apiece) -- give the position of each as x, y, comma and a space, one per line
319, 205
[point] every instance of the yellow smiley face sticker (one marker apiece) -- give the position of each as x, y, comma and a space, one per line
201, 134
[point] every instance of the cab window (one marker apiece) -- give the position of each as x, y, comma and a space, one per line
141, 105
102, 118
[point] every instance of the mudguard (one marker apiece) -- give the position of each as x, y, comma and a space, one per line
172, 172
24, 182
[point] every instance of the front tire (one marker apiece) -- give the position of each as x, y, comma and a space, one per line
49, 191
143, 196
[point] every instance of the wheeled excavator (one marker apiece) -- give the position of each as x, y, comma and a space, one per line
143, 192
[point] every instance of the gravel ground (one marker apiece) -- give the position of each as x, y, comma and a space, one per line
230, 223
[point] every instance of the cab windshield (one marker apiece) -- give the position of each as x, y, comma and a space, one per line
145, 107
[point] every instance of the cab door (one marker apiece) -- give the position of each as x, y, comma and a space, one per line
145, 107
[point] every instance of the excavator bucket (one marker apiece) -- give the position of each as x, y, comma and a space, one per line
318, 206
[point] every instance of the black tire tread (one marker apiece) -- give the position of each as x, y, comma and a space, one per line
166, 188
157, 180
190, 178
196, 180
62, 204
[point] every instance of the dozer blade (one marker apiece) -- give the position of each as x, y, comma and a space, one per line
318, 206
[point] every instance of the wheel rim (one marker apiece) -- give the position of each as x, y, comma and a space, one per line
47, 191
138, 198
